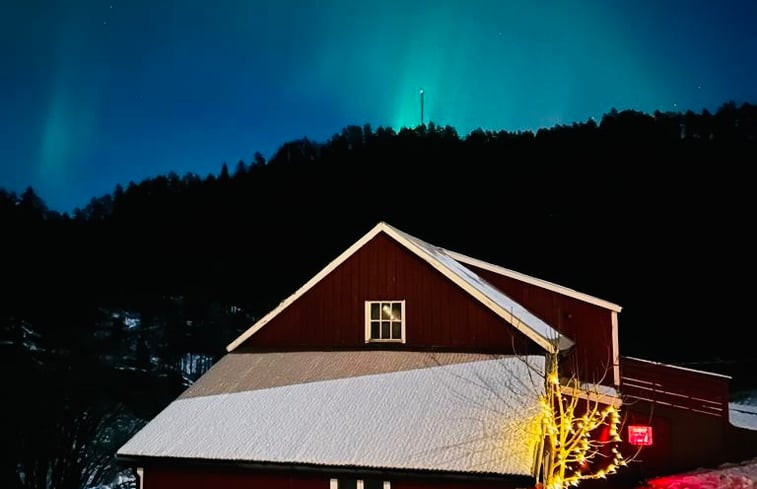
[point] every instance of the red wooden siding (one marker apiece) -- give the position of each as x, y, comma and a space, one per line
452, 484
438, 313
190, 477
205, 478
688, 412
676, 387
589, 326
682, 439
654, 459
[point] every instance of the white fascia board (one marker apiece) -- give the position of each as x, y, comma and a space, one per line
307, 286
615, 350
703, 372
533, 281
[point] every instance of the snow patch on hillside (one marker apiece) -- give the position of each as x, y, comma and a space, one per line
743, 410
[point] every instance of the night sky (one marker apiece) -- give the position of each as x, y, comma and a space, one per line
95, 93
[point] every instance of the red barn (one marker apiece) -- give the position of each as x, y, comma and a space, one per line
399, 365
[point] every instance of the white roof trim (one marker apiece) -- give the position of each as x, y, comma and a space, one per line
615, 349
310, 283
533, 281
525, 322
528, 324
680, 368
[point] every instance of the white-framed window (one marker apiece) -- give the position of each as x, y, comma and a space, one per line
349, 483
385, 321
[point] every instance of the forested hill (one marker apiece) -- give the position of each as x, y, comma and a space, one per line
651, 211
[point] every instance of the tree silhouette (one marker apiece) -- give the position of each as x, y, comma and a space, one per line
241, 169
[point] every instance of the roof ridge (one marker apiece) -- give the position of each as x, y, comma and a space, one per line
552, 334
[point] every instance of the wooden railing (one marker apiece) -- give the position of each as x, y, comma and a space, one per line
679, 387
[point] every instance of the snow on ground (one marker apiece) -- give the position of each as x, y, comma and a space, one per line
743, 413
743, 416
728, 476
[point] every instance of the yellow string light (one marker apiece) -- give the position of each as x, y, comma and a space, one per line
570, 447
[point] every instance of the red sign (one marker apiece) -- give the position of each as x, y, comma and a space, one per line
640, 435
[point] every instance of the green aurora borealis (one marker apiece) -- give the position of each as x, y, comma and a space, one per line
96, 93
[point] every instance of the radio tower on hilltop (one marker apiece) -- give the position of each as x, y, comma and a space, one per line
421, 107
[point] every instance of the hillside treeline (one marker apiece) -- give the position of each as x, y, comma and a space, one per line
107, 313
652, 211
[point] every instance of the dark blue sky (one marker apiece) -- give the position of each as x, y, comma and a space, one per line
95, 93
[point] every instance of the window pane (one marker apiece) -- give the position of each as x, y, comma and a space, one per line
384, 330
371, 484
375, 311
397, 311
386, 311
348, 484
396, 330
375, 333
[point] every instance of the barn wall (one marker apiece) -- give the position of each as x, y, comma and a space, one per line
688, 412
439, 314
204, 478
197, 477
453, 484
673, 386
741, 443
683, 439
588, 325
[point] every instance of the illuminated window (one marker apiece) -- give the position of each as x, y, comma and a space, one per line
640, 435
345, 483
384, 321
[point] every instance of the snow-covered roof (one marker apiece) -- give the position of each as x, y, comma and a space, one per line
514, 313
479, 416
505, 307
240, 371
544, 284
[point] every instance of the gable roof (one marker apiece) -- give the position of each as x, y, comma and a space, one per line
502, 305
449, 412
